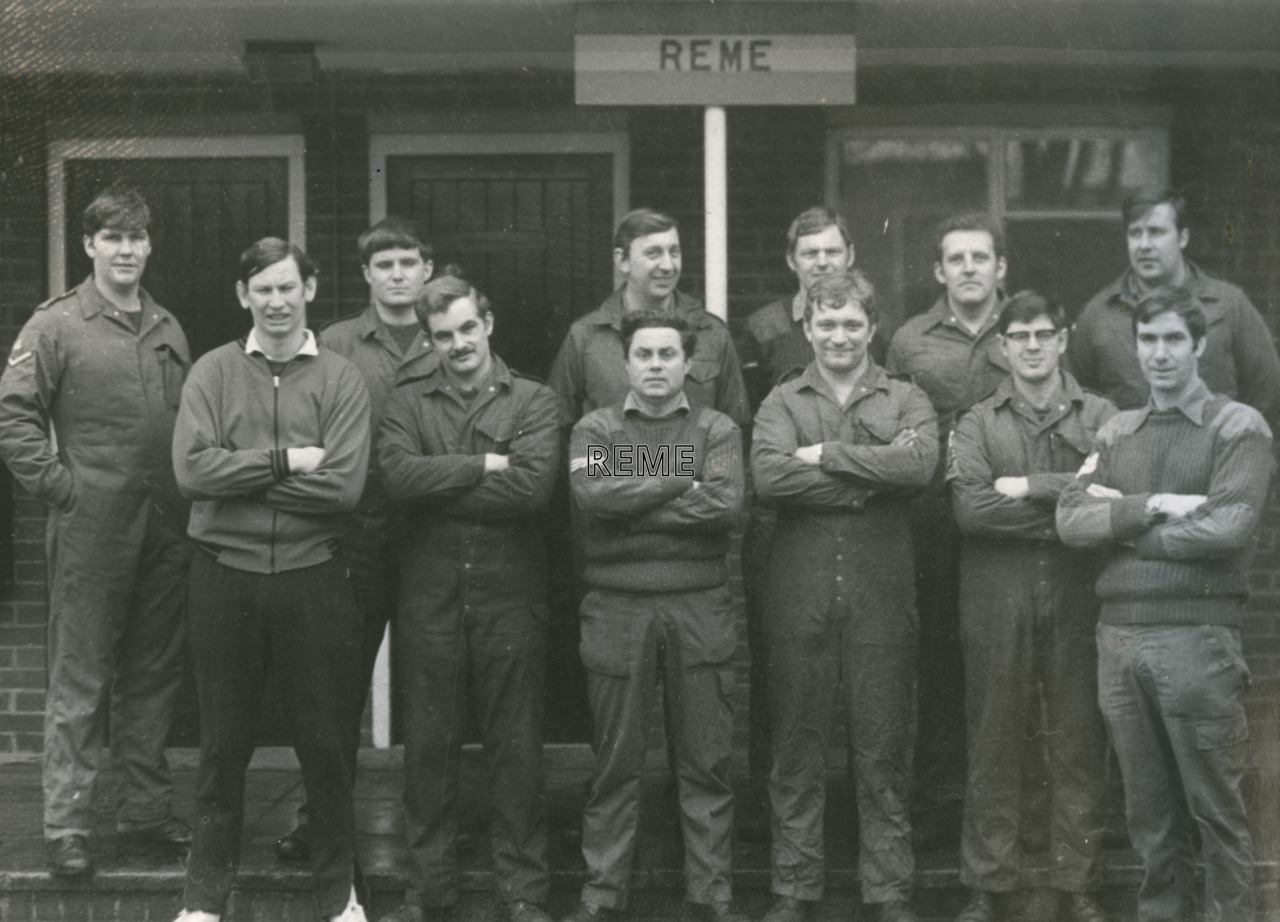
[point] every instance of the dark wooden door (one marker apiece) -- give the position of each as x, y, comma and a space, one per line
534, 233
204, 213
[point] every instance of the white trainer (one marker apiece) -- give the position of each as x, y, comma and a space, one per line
353, 913
195, 915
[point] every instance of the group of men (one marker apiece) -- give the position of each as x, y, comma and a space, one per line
396, 471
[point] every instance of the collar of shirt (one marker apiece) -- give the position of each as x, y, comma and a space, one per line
1071, 394
1128, 292
253, 347
94, 302
942, 315
371, 326
614, 308
437, 379
1191, 405
631, 405
874, 378
797, 305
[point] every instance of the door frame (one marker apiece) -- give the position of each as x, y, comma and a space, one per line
617, 144
291, 147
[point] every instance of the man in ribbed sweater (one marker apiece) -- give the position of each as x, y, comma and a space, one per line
1176, 489
660, 484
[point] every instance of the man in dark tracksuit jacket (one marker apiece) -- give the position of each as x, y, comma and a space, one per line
656, 539
1175, 491
472, 449
818, 245
838, 450
272, 443
1027, 615
102, 367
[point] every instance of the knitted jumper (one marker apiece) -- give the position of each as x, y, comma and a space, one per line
1191, 570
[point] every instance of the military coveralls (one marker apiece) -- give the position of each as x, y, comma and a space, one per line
1027, 617
839, 606
370, 540
472, 614
1239, 358
117, 553
956, 369
658, 605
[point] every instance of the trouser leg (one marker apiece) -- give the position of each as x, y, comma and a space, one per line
1159, 826
432, 666
1076, 743
755, 556
315, 639
507, 666
621, 661
148, 675
92, 565
879, 682
803, 671
700, 725
996, 629
229, 649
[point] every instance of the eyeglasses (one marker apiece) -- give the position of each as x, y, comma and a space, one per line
1021, 338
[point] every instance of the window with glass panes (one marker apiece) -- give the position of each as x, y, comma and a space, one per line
1058, 192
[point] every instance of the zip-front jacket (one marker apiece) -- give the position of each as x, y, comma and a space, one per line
235, 425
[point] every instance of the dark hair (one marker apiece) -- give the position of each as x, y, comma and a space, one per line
1176, 301
835, 291
391, 233
658, 320
1139, 204
972, 221
119, 207
270, 250
641, 223
446, 288
814, 221
1028, 305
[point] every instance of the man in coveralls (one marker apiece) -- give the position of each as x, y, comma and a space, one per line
1027, 615
838, 450
272, 443
1175, 491
660, 484
472, 449
952, 352
103, 366
818, 245
1239, 359
381, 340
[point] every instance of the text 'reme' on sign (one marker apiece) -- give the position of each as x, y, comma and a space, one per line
714, 54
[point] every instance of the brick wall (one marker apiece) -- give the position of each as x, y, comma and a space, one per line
776, 170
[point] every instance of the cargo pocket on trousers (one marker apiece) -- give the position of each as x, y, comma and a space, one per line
1221, 732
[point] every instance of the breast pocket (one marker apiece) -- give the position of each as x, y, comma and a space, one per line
1070, 448
495, 435
877, 429
173, 372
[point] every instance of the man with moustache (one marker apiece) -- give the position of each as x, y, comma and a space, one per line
470, 449
384, 340
818, 245
590, 369
656, 536
952, 352
272, 444
839, 450
1027, 616
1174, 492
103, 365
1239, 360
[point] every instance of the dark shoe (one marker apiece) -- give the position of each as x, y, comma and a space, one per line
980, 908
172, 834
786, 909
293, 846
722, 911
68, 856
591, 912
1081, 907
895, 911
405, 913
524, 911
